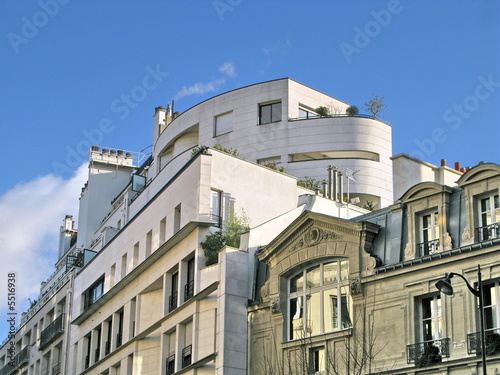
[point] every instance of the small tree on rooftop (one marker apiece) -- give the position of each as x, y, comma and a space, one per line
352, 110
375, 105
322, 111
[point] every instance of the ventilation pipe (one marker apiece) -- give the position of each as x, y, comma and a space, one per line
340, 186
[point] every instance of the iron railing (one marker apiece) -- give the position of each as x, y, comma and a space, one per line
189, 290
428, 352
119, 337
97, 354
22, 357
488, 232
172, 301
427, 248
107, 347
170, 365
56, 369
87, 361
491, 338
186, 356
53, 330
7, 369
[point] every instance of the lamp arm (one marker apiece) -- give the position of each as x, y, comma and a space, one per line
473, 290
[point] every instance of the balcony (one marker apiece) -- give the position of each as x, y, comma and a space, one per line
427, 248
217, 219
22, 357
491, 338
186, 356
488, 232
428, 352
170, 365
7, 369
97, 354
53, 331
56, 369
172, 302
119, 339
107, 347
189, 290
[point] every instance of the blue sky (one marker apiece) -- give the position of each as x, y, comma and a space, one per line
75, 73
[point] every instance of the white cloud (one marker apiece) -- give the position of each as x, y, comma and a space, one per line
200, 88
30, 216
228, 68
277, 48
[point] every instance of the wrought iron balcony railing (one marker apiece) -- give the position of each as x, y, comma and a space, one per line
186, 356
491, 338
170, 365
22, 357
172, 302
56, 369
429, 247
7, 369
189, 290
119, 339
107, 347
97, 354
488, 232
53, 330
428, 352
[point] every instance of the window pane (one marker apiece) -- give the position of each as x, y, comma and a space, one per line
297, 283
345, 307
330, 273
265, 114
295, 318
330, 309
276, 112
426, 308
344, 270
302, 113
313, 277
314, 313
223, 123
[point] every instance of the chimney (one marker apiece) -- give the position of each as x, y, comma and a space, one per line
457, 166
443, 162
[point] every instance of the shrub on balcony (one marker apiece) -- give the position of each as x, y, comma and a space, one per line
229, 235
352, 110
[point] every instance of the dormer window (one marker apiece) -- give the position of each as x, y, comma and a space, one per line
429, 233
489, 218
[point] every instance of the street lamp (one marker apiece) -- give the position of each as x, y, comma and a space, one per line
444, 286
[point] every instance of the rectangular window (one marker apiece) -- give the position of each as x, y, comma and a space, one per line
216, 207
430, 318
307, 113
172, 299
491, 306
489, 218
92, 294
177, 218
269, 113
317, 363
189, 287
223, 124
188, 339
429, 234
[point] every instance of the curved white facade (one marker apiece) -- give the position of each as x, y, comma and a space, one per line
304, 146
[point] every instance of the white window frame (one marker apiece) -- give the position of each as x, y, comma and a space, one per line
435, 319
494, 306
488, 217
430, 233
340, 284
223, 123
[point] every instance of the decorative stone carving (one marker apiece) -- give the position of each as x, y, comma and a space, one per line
264, 291
447, 245
313, 237
466, 235
355, 286
275, 305
409, 251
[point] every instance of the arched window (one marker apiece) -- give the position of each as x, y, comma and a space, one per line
318, 299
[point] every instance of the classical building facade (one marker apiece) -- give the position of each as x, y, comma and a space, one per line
134, 291
359, 296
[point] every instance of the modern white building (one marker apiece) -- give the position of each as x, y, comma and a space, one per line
133, 292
